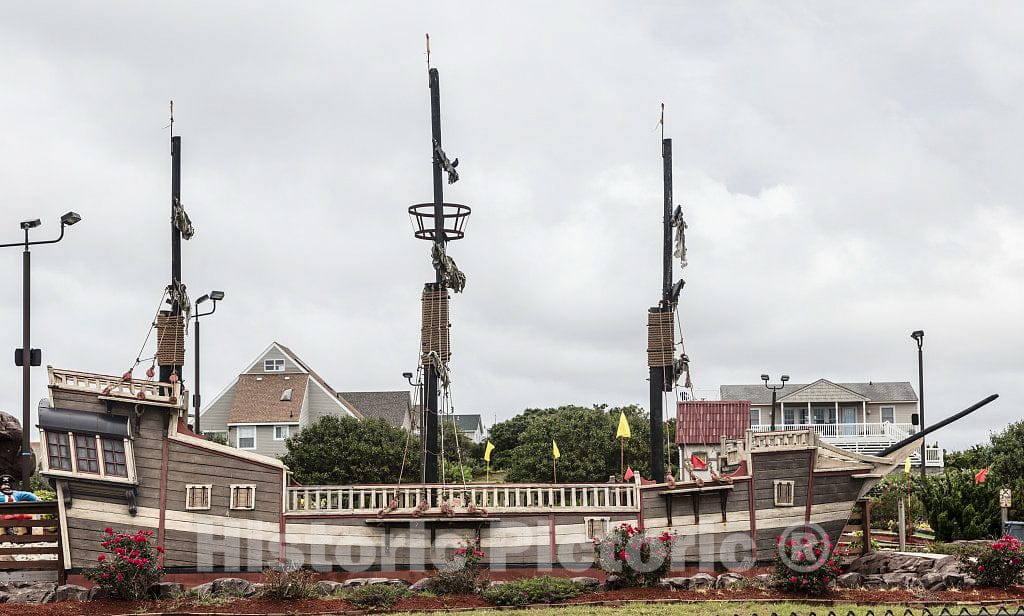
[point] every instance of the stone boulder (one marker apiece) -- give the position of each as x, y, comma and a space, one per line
97, 593
763, 580
165, 590
590, 583
933, 580
4, 596
730, 580
850, 580
903, 580
325, 588
70, 592
873, 582
675, 583
422, 585
612, 582
32, 594
702, 581
233, 586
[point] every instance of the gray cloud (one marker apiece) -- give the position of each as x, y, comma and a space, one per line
849, 174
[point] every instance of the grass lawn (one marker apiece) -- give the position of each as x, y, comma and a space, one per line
726, 609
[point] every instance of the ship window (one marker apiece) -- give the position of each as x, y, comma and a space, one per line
243, 497
597, 528
86, 459
280, 433
197, 497
246, 437
783, 493
273, 365
58, 451
114, 462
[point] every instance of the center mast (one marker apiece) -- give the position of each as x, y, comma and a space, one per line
439, 223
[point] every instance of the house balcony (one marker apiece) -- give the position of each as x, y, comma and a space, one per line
867, 438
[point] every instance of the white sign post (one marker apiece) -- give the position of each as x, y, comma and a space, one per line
1005, 501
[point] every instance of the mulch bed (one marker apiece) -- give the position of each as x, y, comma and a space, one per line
456, 602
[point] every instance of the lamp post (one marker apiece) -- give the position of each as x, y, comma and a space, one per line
784, 378
918, 337
197, 399
24, 357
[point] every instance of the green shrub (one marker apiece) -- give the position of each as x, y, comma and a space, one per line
999, 565
460, 574
375, 596
289, 583
544, 589
884, 503
638, 560
959, 507
805, 566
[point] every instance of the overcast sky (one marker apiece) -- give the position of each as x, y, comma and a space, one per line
849, 172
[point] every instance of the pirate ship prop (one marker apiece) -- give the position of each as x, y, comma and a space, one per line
120, 453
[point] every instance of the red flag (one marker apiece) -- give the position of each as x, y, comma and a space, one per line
980, 477
698, 464
629, 474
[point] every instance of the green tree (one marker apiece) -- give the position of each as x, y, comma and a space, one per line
344, 450
957, 506
586, 441
1003, 457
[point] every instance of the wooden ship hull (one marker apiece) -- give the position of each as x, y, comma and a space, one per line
217, 508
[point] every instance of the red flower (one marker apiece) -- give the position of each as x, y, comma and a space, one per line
120, 577
793, 579
160, 549
101, 557
622, 554
119, 551
108, 530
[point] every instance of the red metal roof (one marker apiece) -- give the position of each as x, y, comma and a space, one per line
702, 422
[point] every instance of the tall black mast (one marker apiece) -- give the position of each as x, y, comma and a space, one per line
661, 320
166, 370
431, 393
440, 223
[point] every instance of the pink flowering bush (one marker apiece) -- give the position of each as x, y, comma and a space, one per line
460, 574
807, 565
1000, 565
638, 560
128, 567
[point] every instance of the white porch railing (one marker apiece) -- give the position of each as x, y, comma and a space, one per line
883, 431
494, 497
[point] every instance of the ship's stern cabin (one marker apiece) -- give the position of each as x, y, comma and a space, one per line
120, 456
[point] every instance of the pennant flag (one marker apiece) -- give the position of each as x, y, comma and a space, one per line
623, 431
629, 474
980, 477
698, 464
554, 449
906, 466
488, 450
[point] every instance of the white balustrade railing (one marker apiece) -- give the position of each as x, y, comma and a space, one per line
494, 497
104, 385
883, 431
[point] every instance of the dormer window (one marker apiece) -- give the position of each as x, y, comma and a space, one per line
273, 365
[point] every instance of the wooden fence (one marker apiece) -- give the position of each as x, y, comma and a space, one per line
45, 549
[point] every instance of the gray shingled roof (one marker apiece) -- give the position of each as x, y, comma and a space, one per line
390, 405
468, 423
873, 391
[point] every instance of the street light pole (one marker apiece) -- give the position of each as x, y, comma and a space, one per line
197, 399
66, 220
918, 337
784, 379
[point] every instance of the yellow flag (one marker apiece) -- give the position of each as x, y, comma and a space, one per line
554, 449
906, 466
623, 431
488, 450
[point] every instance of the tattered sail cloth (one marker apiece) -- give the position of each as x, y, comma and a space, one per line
452, 276
182, 221
680, 225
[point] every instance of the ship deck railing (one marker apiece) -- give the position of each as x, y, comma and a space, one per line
492, 497
114, 388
